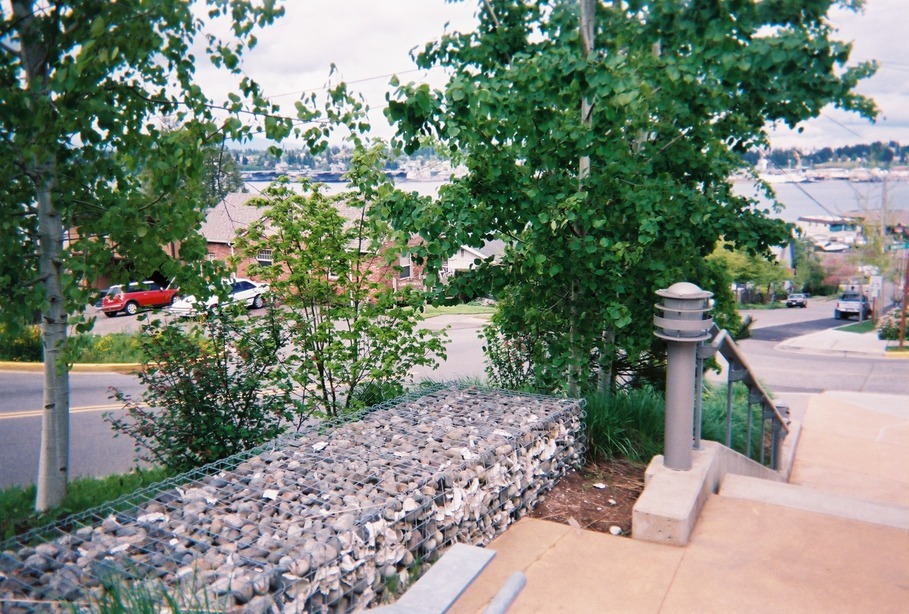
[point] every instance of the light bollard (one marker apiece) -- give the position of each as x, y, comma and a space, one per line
684, 323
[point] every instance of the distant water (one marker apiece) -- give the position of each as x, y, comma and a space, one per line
832, 197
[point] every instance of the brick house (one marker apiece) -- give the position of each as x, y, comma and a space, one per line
233, 214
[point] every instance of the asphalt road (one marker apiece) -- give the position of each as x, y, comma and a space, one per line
93, 448
94, 451
786, 371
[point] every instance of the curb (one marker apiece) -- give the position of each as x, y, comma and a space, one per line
37, 367
785, 347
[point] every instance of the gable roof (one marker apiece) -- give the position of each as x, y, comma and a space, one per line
234, 214
228, 217
495, 248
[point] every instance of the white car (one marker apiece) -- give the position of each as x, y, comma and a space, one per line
248, 292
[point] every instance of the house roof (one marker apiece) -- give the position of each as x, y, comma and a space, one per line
892, 217
231, 215
234, 214
494, 248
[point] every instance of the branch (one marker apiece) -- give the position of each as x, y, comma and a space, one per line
492, 14
140, 94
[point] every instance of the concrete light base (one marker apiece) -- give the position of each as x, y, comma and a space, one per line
668, 509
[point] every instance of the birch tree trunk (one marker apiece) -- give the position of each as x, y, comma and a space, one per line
579, 353
53, 465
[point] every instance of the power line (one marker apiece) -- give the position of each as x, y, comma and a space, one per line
363, 80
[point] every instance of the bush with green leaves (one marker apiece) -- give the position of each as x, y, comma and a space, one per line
517, 361
111, 348
631, 423
21, 345
353, 333
213, 389
888, 327
713, 423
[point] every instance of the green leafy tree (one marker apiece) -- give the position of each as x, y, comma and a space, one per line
354, 337
599, 141
809, 271
756, 270
88, 168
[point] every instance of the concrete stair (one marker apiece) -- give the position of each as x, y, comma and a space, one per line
834, 539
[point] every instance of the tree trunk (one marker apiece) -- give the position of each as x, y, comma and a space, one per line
578, 354
606, 375
53, 467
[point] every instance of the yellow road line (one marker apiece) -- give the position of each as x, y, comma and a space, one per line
33, 413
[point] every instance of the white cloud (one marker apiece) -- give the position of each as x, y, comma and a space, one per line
366, 40
878, 33
369, 39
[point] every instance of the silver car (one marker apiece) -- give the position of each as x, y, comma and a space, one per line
250, 293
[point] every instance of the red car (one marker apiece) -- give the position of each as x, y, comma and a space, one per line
135, 296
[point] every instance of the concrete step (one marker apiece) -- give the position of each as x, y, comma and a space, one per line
812, 500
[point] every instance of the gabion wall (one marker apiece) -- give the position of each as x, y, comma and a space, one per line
321, 522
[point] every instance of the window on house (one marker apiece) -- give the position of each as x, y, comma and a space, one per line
210, 256
264, 256
404, 262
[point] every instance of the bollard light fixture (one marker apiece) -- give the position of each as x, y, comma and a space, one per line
683, 324
685, 316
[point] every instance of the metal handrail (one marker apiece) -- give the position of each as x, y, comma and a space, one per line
739, 371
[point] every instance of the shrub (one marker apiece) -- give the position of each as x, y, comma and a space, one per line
212, 390
113, 348
511, 361
24, 345
631, 423
888, 327
713, 422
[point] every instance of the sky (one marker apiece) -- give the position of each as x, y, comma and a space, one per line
369, 40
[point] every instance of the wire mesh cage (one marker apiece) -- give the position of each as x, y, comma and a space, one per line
332, 519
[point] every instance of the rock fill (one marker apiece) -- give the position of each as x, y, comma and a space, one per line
329, 520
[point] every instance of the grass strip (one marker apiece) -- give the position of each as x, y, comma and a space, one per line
17, 503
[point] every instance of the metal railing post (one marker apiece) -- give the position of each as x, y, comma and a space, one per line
698, 398
776, 449
684, 324
729, 396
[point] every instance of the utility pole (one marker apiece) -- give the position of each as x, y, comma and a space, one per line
903, 303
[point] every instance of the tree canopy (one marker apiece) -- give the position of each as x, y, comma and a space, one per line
354, 335
94, 184
599, 141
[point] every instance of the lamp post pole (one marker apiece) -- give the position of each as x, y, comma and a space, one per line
684, 324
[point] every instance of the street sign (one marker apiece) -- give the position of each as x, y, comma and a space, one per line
877, 282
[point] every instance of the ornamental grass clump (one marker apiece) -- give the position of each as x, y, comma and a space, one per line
627, 424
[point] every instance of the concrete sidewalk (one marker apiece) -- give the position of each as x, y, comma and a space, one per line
842, 343
834, 539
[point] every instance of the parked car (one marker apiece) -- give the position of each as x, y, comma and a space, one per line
135, 296
852, 304
797, 300
99, 298
246, 291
